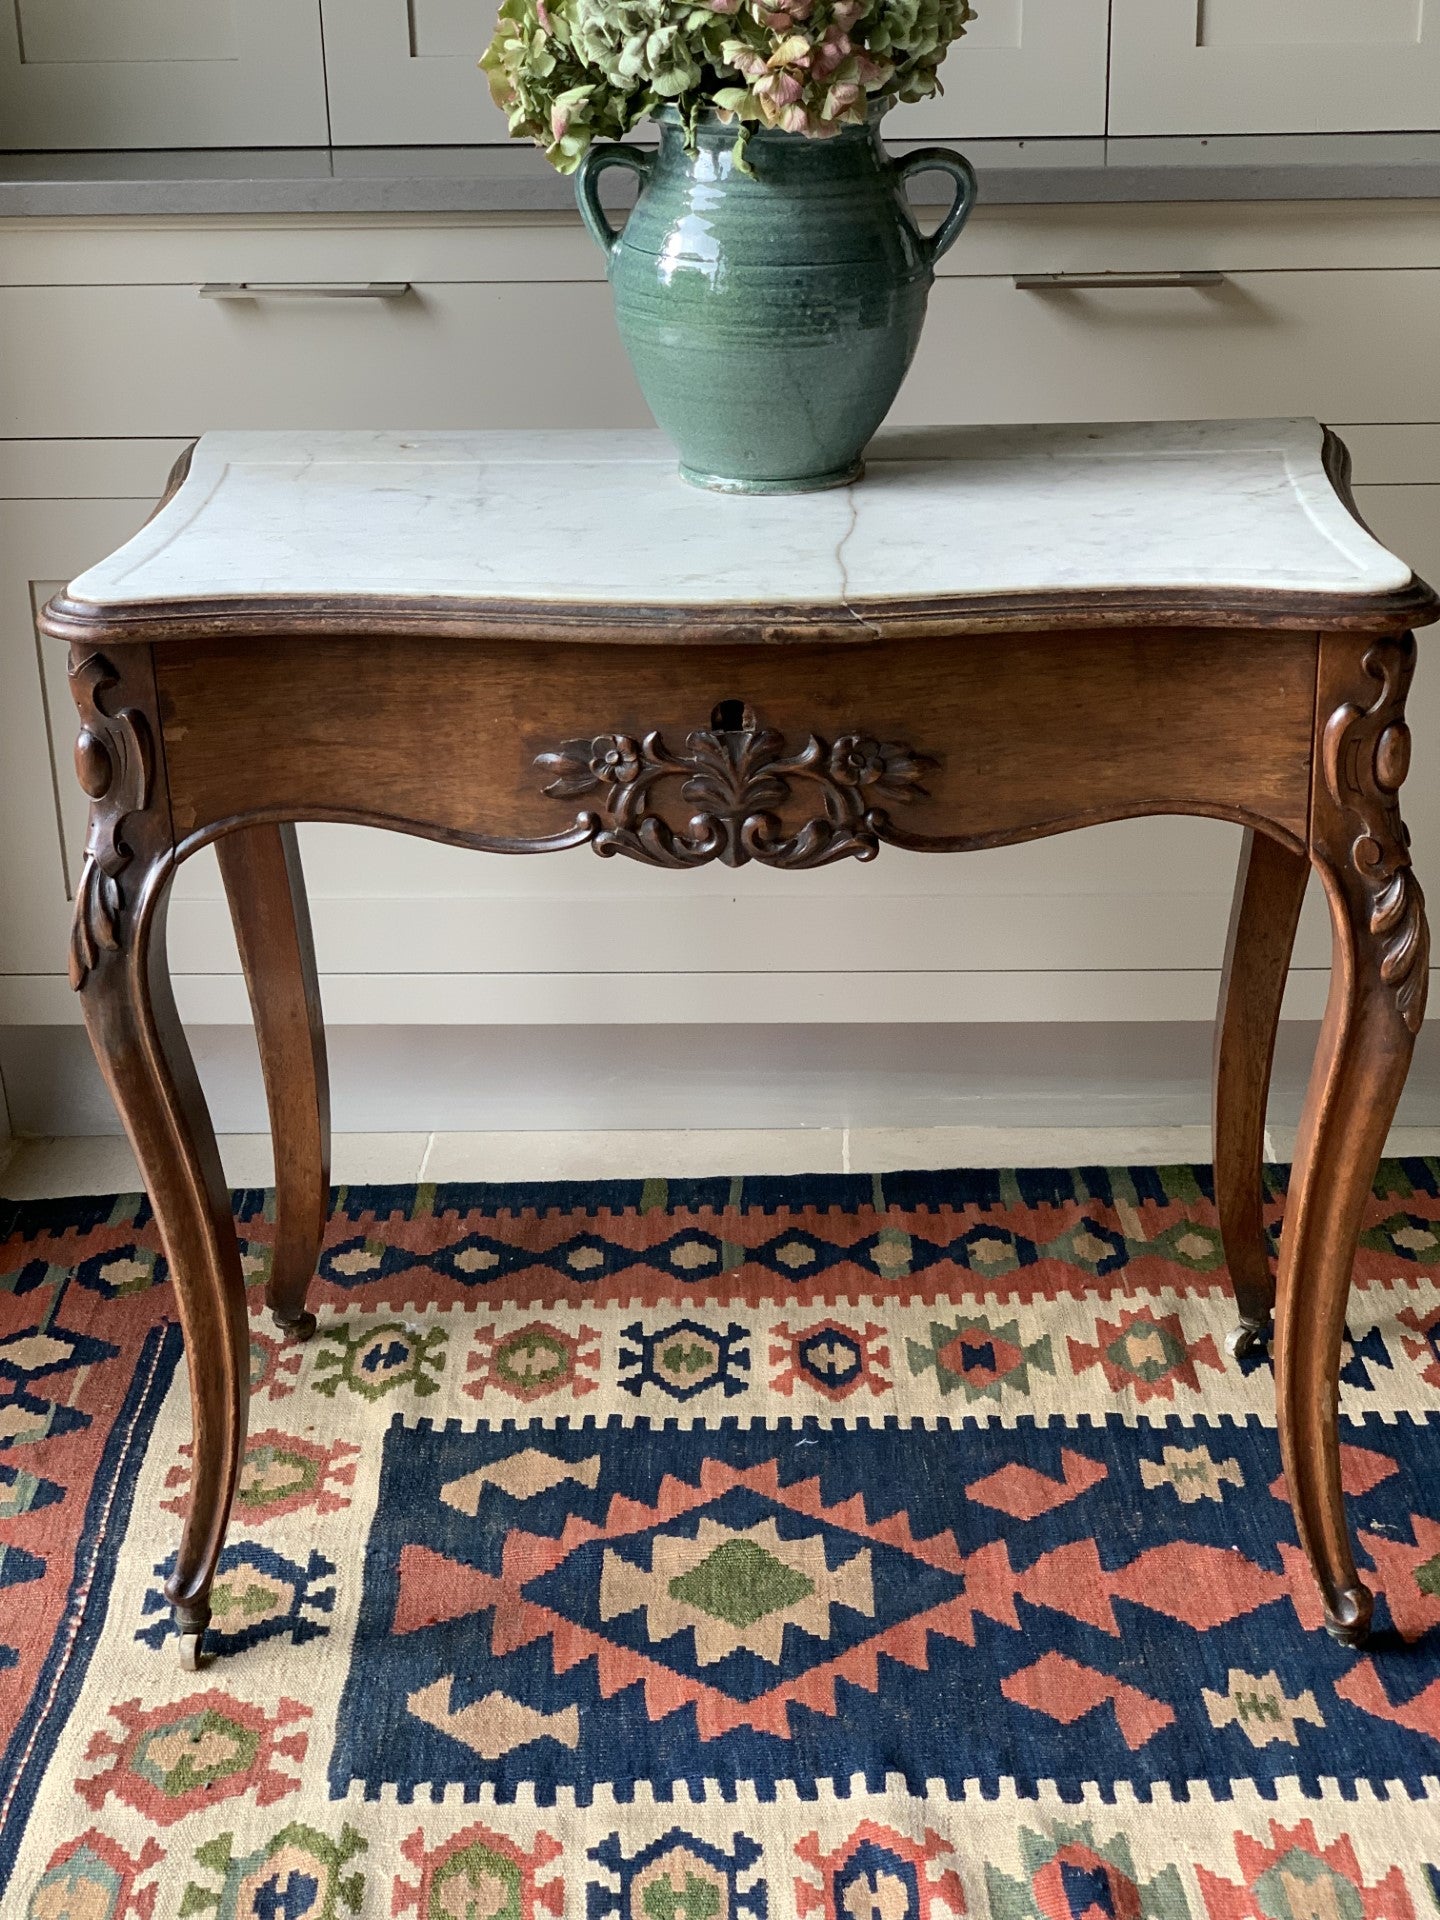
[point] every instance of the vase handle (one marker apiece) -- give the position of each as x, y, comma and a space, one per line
587, 186
942, 160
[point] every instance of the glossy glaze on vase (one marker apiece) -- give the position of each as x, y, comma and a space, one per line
770, 316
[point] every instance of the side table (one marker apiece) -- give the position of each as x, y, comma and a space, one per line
520, 642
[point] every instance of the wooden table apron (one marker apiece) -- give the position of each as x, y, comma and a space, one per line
797, 754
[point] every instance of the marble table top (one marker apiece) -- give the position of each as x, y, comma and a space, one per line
572, 520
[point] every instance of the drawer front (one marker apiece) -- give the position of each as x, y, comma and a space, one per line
448, 735
1236, 236
1340, 345
1072, 903
159, 360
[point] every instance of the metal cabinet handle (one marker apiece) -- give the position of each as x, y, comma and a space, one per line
303, 290
1080, 282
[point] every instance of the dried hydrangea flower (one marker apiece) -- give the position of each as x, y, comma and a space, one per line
568, 72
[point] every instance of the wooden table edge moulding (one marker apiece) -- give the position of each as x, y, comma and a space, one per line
790, 732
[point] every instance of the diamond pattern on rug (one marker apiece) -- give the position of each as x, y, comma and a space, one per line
708, 1601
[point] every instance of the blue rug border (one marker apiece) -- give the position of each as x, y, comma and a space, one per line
95, 1562
909, 1190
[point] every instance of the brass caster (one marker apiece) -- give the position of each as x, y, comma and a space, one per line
300, 1328
1247, 1340
191, 1659
1348, 1620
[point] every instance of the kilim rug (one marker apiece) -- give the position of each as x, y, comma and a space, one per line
812, 1549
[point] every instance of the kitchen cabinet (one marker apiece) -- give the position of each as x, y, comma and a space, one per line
402, 72
161, 73
1273, 66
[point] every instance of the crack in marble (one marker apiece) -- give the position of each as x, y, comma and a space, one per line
853, 507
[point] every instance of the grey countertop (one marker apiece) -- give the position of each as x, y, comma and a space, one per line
342, 181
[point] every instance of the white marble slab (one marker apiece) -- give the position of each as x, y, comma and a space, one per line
575, 518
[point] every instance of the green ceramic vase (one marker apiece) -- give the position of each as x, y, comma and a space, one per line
771, 316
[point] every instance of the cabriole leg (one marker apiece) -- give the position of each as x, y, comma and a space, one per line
261, 869
1379, 973
1269, 889
118, 967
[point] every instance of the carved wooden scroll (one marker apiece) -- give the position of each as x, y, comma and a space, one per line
744, 784
1365, 758
115, 761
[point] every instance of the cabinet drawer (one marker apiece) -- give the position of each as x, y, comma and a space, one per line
1340, 345
1237, 236
159, 360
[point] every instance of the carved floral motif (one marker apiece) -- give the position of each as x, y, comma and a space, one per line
1366, 756
738, 775
114, 759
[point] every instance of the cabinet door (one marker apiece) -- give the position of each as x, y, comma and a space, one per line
404, 72
1274, 66
162, 73
1025, 68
